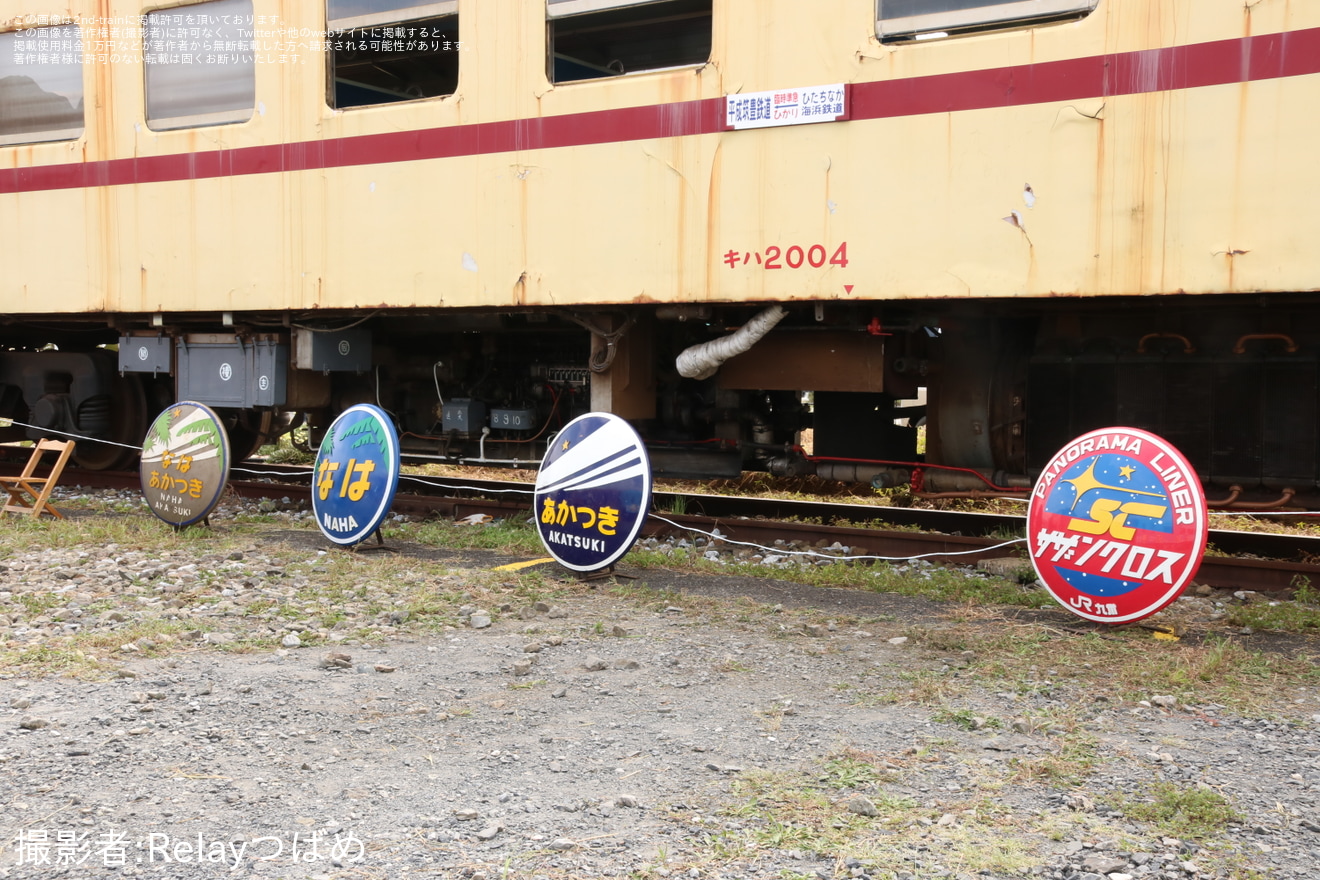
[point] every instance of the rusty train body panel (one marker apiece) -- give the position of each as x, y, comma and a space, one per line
1077, 214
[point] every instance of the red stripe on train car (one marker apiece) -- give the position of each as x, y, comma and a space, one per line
1246, 59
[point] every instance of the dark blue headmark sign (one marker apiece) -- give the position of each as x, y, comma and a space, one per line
593, 492
356, 473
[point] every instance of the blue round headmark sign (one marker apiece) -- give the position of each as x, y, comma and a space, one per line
356, 473
593, 492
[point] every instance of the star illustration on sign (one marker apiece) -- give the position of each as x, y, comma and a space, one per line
1086, 481
1126, 471
565, 446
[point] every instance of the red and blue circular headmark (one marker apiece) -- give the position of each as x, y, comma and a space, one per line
1117, 525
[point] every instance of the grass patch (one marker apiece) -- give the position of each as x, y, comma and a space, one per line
965, 719
1075, 759
1217, 671
52, 659
854, 768
1122, 665
1300, 615
930, 582
810, 812
513, 537
283, 451
159, 633
1194, 812
952, 585
788, 811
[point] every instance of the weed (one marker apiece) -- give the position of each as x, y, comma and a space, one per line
1197, 812
514, 536
1304, 592
730, 664
927, 687
36, 603
772, 718
160, 633
678, 504
853, 769
965, 719
1006, 858
51, 660
1293, 617
1074, 760
954, 586
285, 452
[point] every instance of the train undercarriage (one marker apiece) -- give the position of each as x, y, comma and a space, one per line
948, 398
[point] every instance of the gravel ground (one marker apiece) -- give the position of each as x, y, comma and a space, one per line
648, 731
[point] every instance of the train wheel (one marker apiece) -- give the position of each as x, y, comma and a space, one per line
248, 432
129, 420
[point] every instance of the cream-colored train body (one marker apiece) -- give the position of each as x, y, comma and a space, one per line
1050, 214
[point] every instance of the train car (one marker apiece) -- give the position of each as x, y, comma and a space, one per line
726, 221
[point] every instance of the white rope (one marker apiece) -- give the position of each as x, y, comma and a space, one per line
1229, 512
281, 474
483, 491
309, 473
432, 483
682, 527
779, 552
75, 436
1251, 513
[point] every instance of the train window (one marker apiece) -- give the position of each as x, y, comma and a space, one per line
41, 85
596, 38
907, 19
192, 82
382, 51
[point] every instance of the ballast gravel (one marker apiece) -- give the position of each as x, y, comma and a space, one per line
593, 735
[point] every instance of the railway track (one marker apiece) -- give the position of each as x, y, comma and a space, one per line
1264, 562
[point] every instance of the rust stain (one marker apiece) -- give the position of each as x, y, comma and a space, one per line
1239, 154
98, 143
520, 290
1230, 258
524, 233
1032, 267
1100, 200
676, 150
713, 218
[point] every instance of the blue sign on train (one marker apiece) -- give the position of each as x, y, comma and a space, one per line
593, 492
356, 473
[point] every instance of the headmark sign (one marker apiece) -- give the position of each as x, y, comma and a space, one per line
593, 492
356, 474
1117, 525
185, 463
